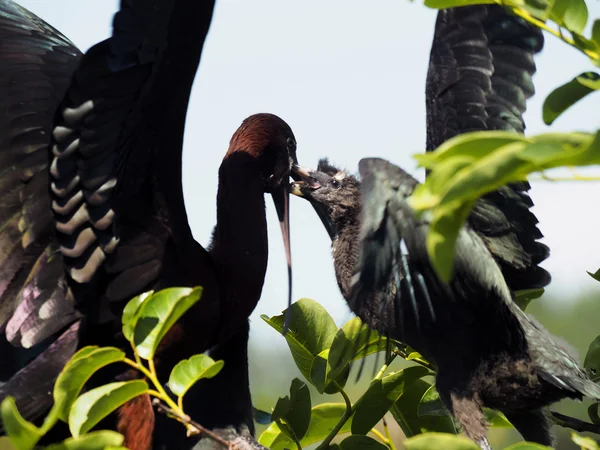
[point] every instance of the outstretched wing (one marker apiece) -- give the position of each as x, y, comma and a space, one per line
479, 78
116, 158
37, 63
393, 259
114, 222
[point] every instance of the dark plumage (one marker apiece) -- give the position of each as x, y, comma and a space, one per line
100, 217
487, 351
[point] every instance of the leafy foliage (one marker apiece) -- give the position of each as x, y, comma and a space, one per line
146, 320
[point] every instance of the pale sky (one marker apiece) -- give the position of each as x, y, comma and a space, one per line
349, 78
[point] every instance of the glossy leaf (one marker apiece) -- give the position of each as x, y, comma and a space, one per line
446, 441
575, 15
294, 410
525, 296
6, 444
593, 413
381, 395
93, 406
591, 364
158, 313
358, 442
23, 434
565, 96
311, 330
96, 440
527, 446
537, 8
405, 412
443, 4
130, 314
323, 418
262, 417
187, 372
453, 186
586, 443
77, 372
596, 275
596, 32
354, 340
431, 405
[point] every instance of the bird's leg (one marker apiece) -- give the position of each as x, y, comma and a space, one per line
466, 409
533, 425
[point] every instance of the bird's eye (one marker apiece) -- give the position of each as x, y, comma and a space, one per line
291, 143
335, 183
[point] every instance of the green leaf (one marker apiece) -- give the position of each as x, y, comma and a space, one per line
446, 441
357, 442
565, 96
450, 194
525, 296
596, 275
596, 33
431, 404
310, 332
572, 14
23, 434
96, 440
584, 442
591, 364
381, 395
77, 372
527, 446
537, 8
6, 444
443, 4
95, 405
405, 412
130, 314
353, 341
158, 313
187, 372
593, 413
294, 411
323, 418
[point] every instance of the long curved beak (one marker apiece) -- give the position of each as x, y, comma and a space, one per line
281, 198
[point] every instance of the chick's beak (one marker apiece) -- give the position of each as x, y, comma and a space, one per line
304, 180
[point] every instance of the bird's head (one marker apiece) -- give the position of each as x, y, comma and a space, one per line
334, 194
270, 141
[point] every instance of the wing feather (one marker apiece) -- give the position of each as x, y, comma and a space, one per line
37, 64
479, 78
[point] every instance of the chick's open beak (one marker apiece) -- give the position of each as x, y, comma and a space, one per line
304, 180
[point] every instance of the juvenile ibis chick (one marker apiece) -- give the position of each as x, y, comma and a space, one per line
487, 351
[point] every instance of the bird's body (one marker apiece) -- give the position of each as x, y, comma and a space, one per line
101, 218
487, 351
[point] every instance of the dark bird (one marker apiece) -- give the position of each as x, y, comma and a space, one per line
98, 216
487, 351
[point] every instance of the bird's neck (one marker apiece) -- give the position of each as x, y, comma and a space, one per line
240, 246
345, 249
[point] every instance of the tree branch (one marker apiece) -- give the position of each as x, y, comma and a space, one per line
186, 420
573, 423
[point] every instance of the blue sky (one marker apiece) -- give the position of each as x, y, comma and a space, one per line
349, 78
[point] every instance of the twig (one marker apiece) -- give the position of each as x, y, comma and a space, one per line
185, 419
573, 423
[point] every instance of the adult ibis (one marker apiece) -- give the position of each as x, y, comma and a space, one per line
487, 351
98, 216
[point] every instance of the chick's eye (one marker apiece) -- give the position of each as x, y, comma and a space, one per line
291, 143
335, 184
